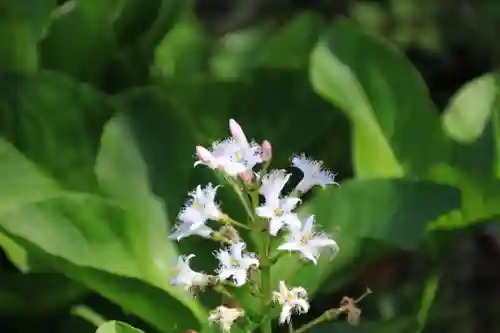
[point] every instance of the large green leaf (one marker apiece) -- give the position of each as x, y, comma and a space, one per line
149, 24
267, 45
117, 327
396, 126
56, 122
123, 175
85, 30
38, 293
395, 212
97, 241
22, 25
469, 121
471, 108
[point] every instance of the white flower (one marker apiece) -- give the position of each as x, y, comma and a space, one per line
234, 263
225, 317
278, 210
313, 174
234, 155
291, 300
201, 206
308, 242
198, 209
186, 229
185, 276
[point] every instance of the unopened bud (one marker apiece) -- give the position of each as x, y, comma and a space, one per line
267, 151
246, 177
237, 133
205, 157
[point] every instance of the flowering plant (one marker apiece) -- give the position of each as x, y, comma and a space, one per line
246, 166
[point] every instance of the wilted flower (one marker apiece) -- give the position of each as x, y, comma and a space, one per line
225, 316
277, 209
313, 174
291, 300
186, 277
234, 263
308, 242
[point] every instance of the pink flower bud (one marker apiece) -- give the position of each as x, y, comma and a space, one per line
246, 177
267, 151
205, 157
237, 133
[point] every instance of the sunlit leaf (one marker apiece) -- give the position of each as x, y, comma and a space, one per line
396, 126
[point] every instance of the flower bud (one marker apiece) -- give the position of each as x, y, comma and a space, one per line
267, 151
205, 157
246, 177
237, 133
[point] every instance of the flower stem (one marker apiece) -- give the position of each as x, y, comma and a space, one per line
266, 291
327, 315
228, 219
265, 268
243, 198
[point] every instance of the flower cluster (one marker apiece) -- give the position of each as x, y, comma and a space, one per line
245, 165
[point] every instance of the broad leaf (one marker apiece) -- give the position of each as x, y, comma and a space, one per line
23, 24
117, 327
469, 121
94, 240
85, 29
56, 122
123, 175
37, 293
470, 109
396, 126
395, 212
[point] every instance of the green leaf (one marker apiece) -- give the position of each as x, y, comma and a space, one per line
94, 240
395, 212
117, 327
291, 45
123, 175
137, 55
56, 122
81, 40
23, 24
470, 109
183, 51
37, 293
469, 121
396, 126
267, 45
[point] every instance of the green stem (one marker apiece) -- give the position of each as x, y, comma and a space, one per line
266, 291
243, 198
428, 296
327, 315
229, 220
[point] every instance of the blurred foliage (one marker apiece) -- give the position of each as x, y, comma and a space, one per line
102, 103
